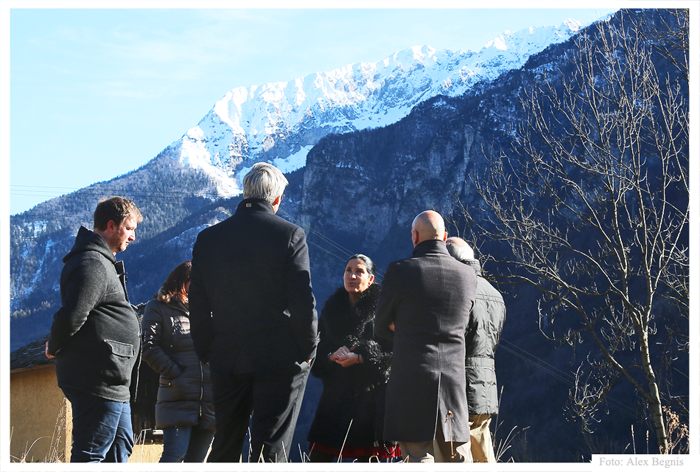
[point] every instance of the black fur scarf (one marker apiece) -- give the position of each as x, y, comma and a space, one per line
343, 325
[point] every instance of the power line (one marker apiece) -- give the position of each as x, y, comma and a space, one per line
342, 250
563, 376
336, 250
98, 190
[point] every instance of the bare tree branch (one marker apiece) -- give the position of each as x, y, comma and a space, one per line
592, 202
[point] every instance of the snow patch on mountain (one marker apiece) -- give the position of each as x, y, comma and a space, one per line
280, 122
18, 295
184, 240
289, 164
293, 162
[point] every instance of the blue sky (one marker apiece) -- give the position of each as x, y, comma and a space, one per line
95, 93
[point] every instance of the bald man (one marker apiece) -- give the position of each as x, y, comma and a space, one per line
424, 308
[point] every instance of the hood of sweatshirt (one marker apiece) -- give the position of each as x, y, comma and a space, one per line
87, 240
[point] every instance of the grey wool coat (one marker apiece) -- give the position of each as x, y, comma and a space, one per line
428, 297
483, 335
185, 388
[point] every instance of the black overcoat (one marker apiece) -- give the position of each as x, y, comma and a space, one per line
356, 393
251, 304
428, 297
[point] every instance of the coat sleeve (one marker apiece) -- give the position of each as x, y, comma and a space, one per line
387, 304
152, 331
302, 305
201, 323
81, 291
376, 353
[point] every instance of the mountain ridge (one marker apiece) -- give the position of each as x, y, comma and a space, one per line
281, 119
211, 157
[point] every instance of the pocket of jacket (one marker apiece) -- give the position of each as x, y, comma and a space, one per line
119, 363
120, 349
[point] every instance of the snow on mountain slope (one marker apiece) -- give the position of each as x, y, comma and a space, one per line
279, 122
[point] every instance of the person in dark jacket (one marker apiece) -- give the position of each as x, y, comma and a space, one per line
424, 308
349, 419
184, 409
253, 318
482, 337
95, 336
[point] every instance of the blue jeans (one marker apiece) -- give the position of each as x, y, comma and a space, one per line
186, 443
102, 429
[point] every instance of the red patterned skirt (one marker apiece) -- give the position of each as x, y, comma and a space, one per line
383, 452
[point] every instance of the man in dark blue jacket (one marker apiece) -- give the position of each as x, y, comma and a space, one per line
95, 336
253, 318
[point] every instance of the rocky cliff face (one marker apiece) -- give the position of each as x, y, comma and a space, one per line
380, 178
363, 190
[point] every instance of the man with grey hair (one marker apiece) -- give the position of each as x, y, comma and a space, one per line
482, 337
253, 318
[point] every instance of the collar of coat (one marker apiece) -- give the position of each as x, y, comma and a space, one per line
348, 322
255, 204
430, 246
172, 301
474, 264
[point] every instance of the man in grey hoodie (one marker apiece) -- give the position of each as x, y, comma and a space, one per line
482, 337
95, 336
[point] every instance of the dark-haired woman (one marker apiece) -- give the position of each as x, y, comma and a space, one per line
354, 368
184, 409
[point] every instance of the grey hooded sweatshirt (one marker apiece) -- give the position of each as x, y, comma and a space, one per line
95, 334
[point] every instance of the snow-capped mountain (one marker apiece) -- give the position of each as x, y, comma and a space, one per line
280, 122
276, 122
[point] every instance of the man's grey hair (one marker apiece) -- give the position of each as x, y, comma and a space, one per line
264, 181
459, 249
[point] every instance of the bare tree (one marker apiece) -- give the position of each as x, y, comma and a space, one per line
592, 201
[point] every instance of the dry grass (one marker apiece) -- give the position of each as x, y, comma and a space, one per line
55, 454
502, 445
677, 432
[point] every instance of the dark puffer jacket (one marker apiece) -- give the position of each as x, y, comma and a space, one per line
185, 390
95, 333
351, 393
482, 336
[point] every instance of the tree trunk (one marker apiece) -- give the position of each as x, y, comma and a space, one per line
654, 397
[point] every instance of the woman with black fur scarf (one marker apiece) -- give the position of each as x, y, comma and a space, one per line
354, 368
